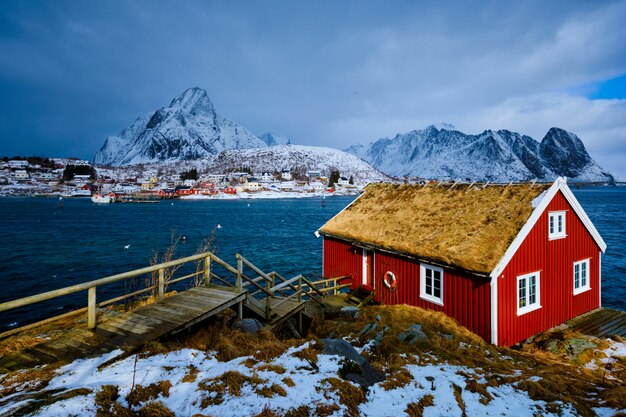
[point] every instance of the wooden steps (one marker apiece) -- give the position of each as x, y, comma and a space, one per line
130, 330
602, 322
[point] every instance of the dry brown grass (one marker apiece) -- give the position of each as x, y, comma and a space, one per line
458, 396
302, 411
191, 375
468, 228
289, 382
324, 410
230, 382
27, 380
472, 385
349, 395
270, 391
141, 394
278, 369
417, 409
266, 412
155, 409
398, 379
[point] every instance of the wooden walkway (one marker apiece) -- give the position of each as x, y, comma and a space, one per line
602, 322
130, 330
271, 297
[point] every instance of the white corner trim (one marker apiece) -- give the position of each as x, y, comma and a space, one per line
559, 185
494, 312
599, 278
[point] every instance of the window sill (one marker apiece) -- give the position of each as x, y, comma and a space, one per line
432, 299
582, 290
525, 310
557, 237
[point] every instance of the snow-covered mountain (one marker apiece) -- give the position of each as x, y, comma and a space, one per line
296, 157
272, 140
445, 153
189, 128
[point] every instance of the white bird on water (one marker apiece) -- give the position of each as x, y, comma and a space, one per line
126, 246
219, 226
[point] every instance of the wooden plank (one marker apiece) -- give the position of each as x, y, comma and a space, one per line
42, 356
168, 312
612, 327
162, 316
599, 321
595, 319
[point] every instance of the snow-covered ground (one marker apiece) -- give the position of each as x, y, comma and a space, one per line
292, 383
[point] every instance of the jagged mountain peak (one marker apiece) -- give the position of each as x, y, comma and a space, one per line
500, 155
272, 139
193, 100
189, 128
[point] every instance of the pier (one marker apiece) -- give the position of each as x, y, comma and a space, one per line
216, 286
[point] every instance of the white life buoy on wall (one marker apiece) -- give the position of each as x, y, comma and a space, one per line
389, 279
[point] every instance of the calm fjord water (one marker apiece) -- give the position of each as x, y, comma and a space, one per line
44, 248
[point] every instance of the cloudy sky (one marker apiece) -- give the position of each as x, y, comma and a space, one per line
323, 73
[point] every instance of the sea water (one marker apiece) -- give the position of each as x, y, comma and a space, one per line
43, 247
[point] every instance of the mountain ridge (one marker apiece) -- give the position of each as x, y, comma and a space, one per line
502, 155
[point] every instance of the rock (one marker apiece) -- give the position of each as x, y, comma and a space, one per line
448, 336
412, 335
378, 318
368, 328
248, 325
350, 312
553, 346
367, 376
575, 347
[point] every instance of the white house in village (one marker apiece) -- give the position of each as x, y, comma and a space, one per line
20, 175
286, 175
18, 164
252, 185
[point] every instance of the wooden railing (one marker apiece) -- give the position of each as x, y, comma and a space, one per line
271, 288
163, 278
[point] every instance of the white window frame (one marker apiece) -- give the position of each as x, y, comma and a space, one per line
423, 294
582, 288
528, 307
553, 220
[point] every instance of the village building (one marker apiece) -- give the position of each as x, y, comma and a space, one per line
20, 175
506, 261
18, 164
286, 175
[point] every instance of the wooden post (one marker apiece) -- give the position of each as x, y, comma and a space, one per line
300, 322
207, 271
91, 308
161, 286
239, 272
300, 289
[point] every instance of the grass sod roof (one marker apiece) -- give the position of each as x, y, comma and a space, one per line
465, 227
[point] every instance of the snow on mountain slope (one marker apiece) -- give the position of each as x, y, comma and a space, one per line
296, 157
272, 140
189, 128
502, 156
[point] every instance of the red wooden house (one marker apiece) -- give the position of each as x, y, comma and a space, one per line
506, 261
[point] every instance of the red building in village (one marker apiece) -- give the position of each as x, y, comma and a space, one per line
506, 261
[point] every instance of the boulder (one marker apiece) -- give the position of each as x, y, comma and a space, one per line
364, 374
349, 312
412, 335
248, 325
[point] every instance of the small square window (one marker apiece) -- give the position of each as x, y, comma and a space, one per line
581, 276
528, 293
556, 225
431, 283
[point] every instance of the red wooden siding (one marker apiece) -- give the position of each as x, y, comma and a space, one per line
555, 259
341, 258
466, 298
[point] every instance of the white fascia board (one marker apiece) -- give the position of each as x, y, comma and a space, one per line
559, 184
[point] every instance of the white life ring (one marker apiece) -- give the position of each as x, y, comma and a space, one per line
389, 279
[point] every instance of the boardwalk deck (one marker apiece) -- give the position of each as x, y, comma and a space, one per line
130, 330
602, 322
